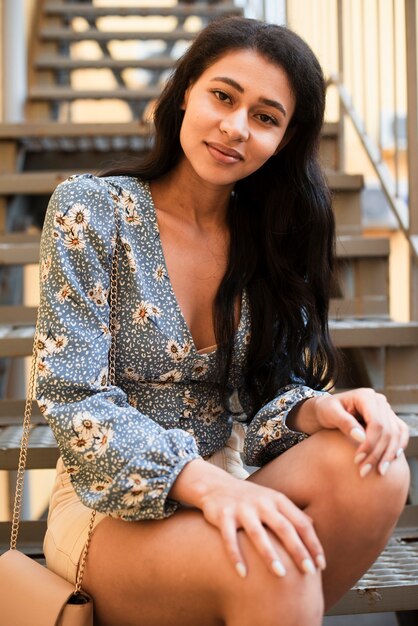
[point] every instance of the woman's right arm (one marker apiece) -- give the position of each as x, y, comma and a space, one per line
121, 462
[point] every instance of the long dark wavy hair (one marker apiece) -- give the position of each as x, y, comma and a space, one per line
282, 232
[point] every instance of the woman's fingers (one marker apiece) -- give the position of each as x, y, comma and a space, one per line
293, 529
229, 535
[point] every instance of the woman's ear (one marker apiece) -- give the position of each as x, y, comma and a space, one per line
289, 134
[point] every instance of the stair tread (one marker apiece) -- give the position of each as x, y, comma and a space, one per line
362, 246
81, 129
45, 181
51, 61
51, 33
65, 129
340, 181
373, 333
391, 583
46, 92
85, 9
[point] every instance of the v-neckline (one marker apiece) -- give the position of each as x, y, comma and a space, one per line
162, 261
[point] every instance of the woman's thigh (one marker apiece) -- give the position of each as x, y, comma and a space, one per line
175, 572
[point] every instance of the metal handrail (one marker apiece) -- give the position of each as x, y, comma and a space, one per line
398, 206
402, 210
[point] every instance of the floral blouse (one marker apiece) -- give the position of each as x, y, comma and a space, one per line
125, 444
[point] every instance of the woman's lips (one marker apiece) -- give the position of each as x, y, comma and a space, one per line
222, 154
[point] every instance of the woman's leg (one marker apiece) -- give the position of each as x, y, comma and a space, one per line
175, 572
353, 516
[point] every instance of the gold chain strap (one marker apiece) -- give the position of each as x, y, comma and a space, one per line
17, 507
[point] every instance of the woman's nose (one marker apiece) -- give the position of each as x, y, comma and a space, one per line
235, 126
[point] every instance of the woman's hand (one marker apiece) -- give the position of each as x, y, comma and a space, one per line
234, 504
366, 417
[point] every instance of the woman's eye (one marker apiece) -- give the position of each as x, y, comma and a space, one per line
221, 95
267, 119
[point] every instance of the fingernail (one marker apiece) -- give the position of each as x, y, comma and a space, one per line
358, 434
359, 458
278, 568
320, 560
241, 569
365, 470
399, 453
308, 566
384, 468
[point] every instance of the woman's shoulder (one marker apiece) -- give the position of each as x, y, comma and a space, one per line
131, 196
80, 184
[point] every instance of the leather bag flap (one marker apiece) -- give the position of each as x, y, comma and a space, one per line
30, 593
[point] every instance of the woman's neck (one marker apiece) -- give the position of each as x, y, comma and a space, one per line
183, 194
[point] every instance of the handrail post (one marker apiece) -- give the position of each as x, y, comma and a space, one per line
412, 134
341, 117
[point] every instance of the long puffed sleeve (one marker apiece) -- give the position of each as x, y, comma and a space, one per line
267, 434
121, 462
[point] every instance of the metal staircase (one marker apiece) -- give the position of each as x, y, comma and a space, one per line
39, 153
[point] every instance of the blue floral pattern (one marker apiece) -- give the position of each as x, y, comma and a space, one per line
125, 444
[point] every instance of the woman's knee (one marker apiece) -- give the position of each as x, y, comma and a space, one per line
293, 600
342, 476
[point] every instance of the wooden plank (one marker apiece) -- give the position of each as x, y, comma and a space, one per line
21, 315
361, 246
16, 341
62, 129
102, 36
31, 536
13, 409
339, 181
60, 94
359, 307
373, 333
59, 62
89, 10
30, 183
21, 254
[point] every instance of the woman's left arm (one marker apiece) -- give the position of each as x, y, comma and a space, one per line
362, 415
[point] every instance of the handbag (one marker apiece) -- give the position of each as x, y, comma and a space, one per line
30, 594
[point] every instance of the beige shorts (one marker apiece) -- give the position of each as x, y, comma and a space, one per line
68, 518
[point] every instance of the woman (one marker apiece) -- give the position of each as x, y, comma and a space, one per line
227, 241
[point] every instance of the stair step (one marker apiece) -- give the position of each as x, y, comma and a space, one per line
353, 246
31, 537
18, 315
16, 341
18, 248
67, 34
46, 181
339, 181
367, 333
31, 183
63, 94
11, 413
89, 10
391, 584
60, 62
64, 129
354, 333
42, 449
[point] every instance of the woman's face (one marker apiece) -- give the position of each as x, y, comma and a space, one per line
235, 117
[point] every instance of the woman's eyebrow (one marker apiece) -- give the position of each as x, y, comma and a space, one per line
233, 83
